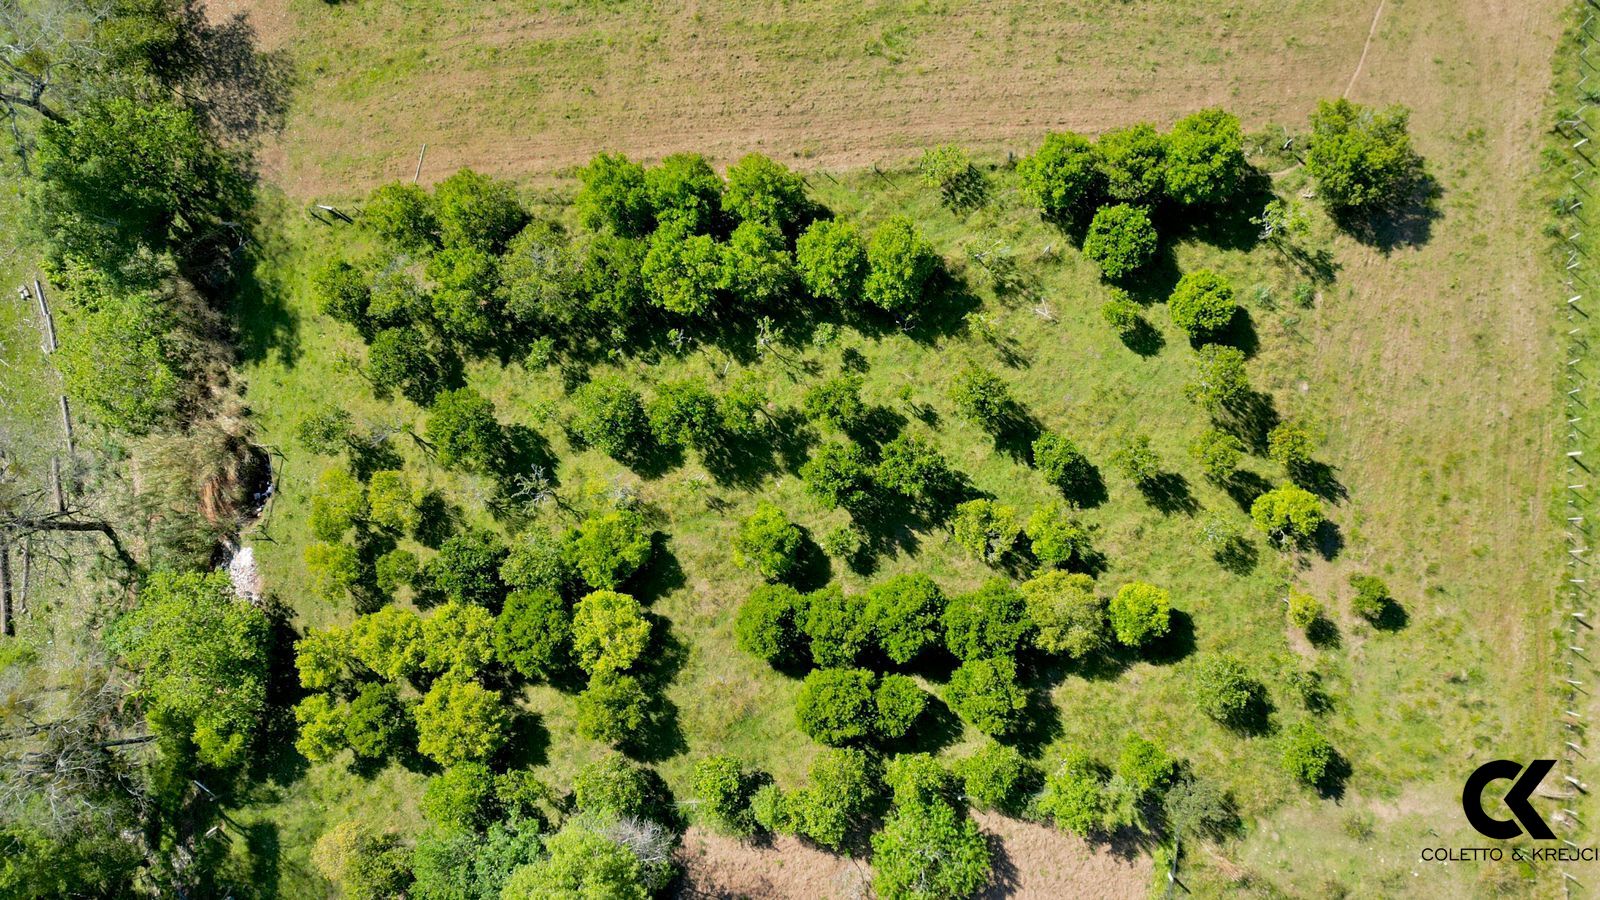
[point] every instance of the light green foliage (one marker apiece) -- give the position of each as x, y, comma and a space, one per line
1205, 161
1304, 610
614, 196
581, 862
340, 501
319, 721
612, 709
1140, 613
1062, 464
900, 263
461, 797
989, 621
323, 658
986, 530
914, 778
1307, 755
120, 354
609, 632
983, 398
1062, 177
768, 624
467, 568
685, 412
327, 430
724, 789
1202, 304
744, 408
767, 542
464, 432
900, 702
949, 168
466, 280
760, 190
477, 211
683, 272
1145, 766
537, 561
835, 706
684, 192
1372, 600
844, 785
985, 693
335, 570
1137, 459
533, 634
607, 548
609, 415
460, 721
769, 807
1121, 240
1217, 452
929, 851
994, 776
1075, 798
1124, 316
1133, 163
201, 655
365, 863
756, 266
831, 259
1056, 537
836, 402
457, 640
1360, 157
905, 611
1225, 690
1289, 515
837, 626
389, 642
838, 474
391, 502
1220, 382
614, 785
1291, 443
1069, 619
402, 214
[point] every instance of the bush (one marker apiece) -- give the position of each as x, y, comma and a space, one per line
399, 359
1144, 766
477, 211
375, 722
1291, 444
467, 569
769, 808
1218, 453
609, 415
1068, 618
986, 530
1198, 807
533, 634
760, 190
901, 261
1137, 460
464, 278
322, 658
838, 475
990, 621
1062, 464
917, 778
461, 797
686, 193
1361, 157
326, 430
336, 570
905, 611
1372, 600
724, 789
1205, 162
1124, 316
540, 278
949, 168
756, 266
994, 777
1220, 382
1289, 515
1133, 163
340, 501
1074, 797
391, 502
685, 412
1140, 613
609, 632
389, 642
832, 260
342, 293
606, 549
914, 469
929, 850
536, 561
986, 694
364, 863
1202, 304
836, 402
585, 859
612, 709
1225, 691
319, 723
984, 399
614, 196
837, 626
1307, 755
767, 542
460, 721
611, 278
1121, 240
402, 214
1304, 610
744, 408
464, 432
1062, 177
768, 624
842, 791
836, 706
899, 702
123, 357
397, 301
614, 785
683, 272
1056, 537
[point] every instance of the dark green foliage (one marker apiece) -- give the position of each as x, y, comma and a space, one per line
1220, 382
402, 214
533, 634
1225, 690
760, 190
905, 611
375, 722
1068, 617
918, 778
1145, 766
1307, 755
769, 624
326, 430
983, 398
1121, 240
1217, 452
607, 548
1063, 177
901, 261
464, 432
1057, 538
540, 277
831, 259
462, 797
1361, 157
201, 657
686, 412
614, 196
467, 568
611, 280
1205, 161
900, 702
683, 272
913, 468
744, 408
994, 777
836, 706
1062, 464
767, 542
990, 621
836, 402
685, 192
466, 291
1132, 163
537, 561
342, 293
612, 709
477, 211
400, 359
617, 786
1202, 304
610, 416
837, 626
838, 475
1199, 807
1140, 613
397, 300
1372, 600
929, 851
757, 269
724, 788
985, 693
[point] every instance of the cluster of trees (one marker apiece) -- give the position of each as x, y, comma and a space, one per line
907, 620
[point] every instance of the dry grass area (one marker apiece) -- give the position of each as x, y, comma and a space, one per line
528, 86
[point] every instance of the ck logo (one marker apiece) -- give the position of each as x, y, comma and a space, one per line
1516, 799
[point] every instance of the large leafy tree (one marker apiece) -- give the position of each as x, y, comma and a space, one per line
1360, 157
1062, 176
929, 851
1205, 158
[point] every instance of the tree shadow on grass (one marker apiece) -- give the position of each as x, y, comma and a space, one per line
1323, 634
1405, 223
1251, 420
1144, 339
265, 853
1230, 225
1015, 433
946, 300
1154, 282
267, 327
1040, 722
1169, 493
812, 568
937, 728
1328, 541
1244, 486
661, 737
1319, 478
660, 575
1240, 333
528, 744
276, 760
1177, 644
1331, 785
